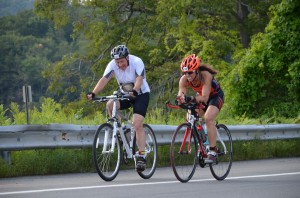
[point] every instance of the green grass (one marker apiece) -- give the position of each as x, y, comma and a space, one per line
60, 161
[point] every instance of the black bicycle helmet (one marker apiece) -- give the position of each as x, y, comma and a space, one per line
119, 51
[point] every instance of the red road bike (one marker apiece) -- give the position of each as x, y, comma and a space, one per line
190, 145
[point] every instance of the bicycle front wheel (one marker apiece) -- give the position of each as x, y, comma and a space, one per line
151, 149
183, 153
221, 168
107, 156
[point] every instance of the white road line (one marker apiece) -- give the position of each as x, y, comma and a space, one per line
140, 184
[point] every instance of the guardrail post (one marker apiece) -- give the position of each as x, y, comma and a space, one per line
6, 156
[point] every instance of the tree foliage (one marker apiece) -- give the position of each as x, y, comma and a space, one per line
29, 45
161, 32
63, 49
267, 78
12, 7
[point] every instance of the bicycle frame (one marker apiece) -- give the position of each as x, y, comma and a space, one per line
188, 134
192, 120
116, 127
188, 147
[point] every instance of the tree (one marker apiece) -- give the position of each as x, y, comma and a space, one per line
28, 46
268, 75
12, 7
161, 32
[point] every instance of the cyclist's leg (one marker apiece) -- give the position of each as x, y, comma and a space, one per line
109, 107
210, 117
140, 106
214, 106
137, 122
121, 105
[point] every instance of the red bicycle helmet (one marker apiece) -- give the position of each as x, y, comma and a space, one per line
190, 63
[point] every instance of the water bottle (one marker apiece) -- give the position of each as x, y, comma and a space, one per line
201, 132
206, 137
126, 130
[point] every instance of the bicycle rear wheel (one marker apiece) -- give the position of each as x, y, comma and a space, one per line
107, 162
151, 149
221, 168
183, 153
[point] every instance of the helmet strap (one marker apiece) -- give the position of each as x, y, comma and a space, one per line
196, 72
127, 58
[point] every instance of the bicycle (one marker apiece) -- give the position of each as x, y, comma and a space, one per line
114, 141
190, 145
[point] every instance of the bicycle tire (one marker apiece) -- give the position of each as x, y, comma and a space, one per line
221, 168
184, 163
151, 160
107, 164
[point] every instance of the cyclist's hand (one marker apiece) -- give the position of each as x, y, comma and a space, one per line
133, 93
179, 100
90, 95
188, 99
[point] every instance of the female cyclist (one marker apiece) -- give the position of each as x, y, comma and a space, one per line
200, 78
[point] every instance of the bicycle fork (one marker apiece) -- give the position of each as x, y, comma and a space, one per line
187, 135
222, 142
106, 140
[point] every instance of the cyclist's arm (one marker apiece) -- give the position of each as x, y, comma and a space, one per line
182, 86
100, 85
138, 83
182, 89
206, 87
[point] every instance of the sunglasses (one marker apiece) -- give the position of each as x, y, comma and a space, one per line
189, 73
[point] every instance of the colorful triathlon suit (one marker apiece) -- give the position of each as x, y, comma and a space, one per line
216, 97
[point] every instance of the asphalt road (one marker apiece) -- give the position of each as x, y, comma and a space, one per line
276, 178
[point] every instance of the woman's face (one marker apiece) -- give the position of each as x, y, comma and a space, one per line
190, 75
122, 63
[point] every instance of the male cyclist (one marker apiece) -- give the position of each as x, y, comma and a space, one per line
200, 78
129, 70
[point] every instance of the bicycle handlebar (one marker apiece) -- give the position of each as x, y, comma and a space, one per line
115, 96
190, 106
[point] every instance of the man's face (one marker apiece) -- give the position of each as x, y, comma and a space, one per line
122, 63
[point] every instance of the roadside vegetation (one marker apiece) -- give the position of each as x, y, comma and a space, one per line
62, 161
79, 160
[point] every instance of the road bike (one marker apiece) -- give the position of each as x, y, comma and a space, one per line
190, 146
115, 142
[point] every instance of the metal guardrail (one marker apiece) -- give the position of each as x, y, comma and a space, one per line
22, 137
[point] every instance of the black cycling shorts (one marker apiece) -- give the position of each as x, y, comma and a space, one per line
139, 104
216, 100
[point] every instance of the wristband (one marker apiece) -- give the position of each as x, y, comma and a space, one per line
91, 93
135, 93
